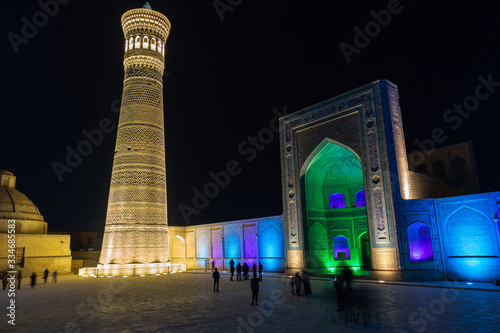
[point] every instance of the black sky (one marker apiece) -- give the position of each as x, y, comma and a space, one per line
224, 79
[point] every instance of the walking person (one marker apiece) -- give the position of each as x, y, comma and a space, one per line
260, 271
213, 265
298, 283
238, 271
216, 277
254, 269
54, 277
33, 280
19, 279
45, 275
254, 285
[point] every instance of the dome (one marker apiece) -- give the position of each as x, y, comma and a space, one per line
14, 204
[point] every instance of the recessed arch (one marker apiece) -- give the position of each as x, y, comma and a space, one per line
420, 242
333, 202
232, 244
470, 233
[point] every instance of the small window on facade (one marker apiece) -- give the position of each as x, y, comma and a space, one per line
131, 43
145, 42
420, 242
438, 168
458, 171
159, 46
341, 248
153, 44
19, 253
137, 42
360, 199
337, 200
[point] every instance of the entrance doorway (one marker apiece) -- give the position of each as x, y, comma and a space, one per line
365, 252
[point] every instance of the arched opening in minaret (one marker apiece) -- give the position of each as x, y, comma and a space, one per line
334, 209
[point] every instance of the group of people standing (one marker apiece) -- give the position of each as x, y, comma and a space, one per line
254, 282
32, 278
245, 269
301, 283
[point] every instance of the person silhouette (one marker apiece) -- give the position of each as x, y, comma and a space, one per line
245, 271
19, 279
238, 272
298, 282
254, 285
4, 280
45, 275
216, 277
254, 269
54, 277
347, 276
231, 269
260, 271
338, 284
33, 280
306, 282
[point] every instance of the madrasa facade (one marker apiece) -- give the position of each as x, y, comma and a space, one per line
353, 197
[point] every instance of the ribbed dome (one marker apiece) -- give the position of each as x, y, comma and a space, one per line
14, 204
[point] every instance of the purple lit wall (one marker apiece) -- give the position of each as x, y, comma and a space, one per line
337, 200
360, 199
216, 244
250, 242
341, 244
419, 239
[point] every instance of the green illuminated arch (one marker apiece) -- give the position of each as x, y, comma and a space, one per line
332, 168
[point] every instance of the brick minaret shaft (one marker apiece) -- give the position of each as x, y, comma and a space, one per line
136, 221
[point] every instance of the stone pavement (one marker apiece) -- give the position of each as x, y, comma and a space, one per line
185, 302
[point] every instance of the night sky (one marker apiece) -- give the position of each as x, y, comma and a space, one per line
223, 79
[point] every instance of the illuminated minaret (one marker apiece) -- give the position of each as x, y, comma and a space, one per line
136, 235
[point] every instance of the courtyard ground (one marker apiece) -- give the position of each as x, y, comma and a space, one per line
185, 302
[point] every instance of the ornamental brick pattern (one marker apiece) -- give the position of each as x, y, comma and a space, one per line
136, 222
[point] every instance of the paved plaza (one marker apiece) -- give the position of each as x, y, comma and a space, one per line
185, 302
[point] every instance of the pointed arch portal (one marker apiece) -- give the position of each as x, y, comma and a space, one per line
333, 182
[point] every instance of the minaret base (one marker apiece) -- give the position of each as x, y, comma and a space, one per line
131, 269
